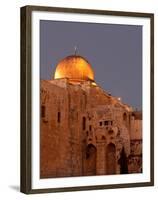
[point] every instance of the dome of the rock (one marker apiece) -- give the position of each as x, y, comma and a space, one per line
74, 67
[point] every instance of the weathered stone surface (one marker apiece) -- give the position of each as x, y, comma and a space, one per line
82, 127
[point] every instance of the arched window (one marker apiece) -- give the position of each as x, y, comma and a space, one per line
124, 117
90, 162
100, 123
110, 159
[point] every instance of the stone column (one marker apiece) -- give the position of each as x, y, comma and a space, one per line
100, 160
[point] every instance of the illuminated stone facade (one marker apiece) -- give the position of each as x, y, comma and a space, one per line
86, 131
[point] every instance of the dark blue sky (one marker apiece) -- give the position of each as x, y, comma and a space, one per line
114, 52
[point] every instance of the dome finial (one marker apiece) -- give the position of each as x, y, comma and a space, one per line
76, 50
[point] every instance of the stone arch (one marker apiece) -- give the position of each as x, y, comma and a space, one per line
110, 159
123, 162
90, 162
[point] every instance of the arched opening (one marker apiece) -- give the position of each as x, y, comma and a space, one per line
123, 162
90, 162
133, 114
125, 117
110, 159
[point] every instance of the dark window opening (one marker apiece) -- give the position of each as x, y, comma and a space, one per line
111, 131
59, 117
90, 162
84, 123
123, 162
90, 127
43, 111
103, 137
111, 122
105, 123
124, 116
100, 123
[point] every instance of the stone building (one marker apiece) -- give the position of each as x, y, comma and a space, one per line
84, 130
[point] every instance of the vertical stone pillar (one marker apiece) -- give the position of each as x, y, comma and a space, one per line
117, 167
132, 128
100, 160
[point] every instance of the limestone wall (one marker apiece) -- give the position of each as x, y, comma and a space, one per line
82, 127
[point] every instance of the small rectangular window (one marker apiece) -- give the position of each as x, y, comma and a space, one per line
105, 123
59, 116
42, 111
90, 127
83, 123
100, 123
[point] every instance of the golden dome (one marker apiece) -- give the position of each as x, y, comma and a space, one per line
74, 67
